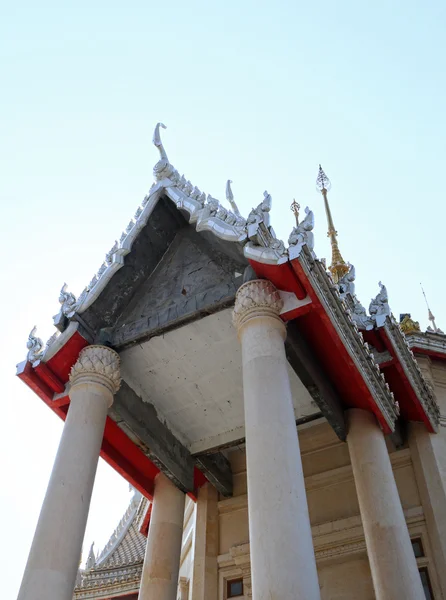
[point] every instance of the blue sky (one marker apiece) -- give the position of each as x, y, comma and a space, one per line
257, 92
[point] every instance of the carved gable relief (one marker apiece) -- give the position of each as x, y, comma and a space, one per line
192, 276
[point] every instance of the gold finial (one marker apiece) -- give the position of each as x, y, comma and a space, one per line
295, 207
338, 267
434, 328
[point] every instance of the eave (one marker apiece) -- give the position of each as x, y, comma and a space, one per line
333, 337
413, 394
430, 344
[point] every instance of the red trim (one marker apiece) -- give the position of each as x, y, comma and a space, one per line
118, 450
410, 406
432, 353
144, 529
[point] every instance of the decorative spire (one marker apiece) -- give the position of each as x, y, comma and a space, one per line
338, 267
434, 328
295, 208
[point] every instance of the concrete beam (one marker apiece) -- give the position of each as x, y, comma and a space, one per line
141, 423
217, 469
308, 369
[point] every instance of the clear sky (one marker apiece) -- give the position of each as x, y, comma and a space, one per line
258, 92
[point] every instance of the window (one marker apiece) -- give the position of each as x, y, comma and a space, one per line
424, 574
235, 588
425, 581
417, 547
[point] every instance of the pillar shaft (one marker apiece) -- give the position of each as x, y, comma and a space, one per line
282, 555
392, 560
428, 452
163, 552
54, 557
205, 575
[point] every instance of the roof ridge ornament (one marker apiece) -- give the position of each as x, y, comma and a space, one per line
230, 198
34, 345
379, 308
302, 234
157, 141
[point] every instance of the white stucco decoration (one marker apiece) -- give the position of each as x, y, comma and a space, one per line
379, 308
302, 235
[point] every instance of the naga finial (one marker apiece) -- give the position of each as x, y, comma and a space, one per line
34, 345
230, 198
157, 141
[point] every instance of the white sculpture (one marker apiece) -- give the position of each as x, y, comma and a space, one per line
346, 283
379, 307
34, 345
360, 316
260, 214
303, 233
68, 301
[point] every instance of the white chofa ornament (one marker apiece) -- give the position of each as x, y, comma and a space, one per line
379, 308
302, 235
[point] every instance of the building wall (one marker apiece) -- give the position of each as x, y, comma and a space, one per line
341, 556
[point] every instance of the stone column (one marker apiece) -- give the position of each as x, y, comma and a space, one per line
428, 452
163, 552
54, 557
392, 560
205, 576
282, 555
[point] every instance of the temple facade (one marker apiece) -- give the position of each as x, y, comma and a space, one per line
283, 441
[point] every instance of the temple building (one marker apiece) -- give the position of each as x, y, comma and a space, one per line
283, 441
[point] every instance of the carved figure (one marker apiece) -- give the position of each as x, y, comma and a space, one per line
278, 246
360, 317
222, 213
34, 345
379, 307
302, 233
346, 283
67, 300
260, 214
195, 194
210, 208
110, 253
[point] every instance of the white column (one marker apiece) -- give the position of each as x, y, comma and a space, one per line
163, 552
54, 557
392, 560
282, 555
205, 574
428, 452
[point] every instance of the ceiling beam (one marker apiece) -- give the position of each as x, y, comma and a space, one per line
140, 421
308, 369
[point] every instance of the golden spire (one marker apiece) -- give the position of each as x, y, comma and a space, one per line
338, 267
